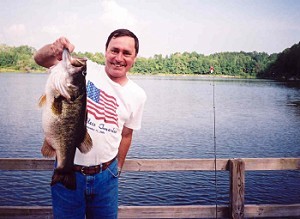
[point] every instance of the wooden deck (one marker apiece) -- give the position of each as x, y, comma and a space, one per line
236, 208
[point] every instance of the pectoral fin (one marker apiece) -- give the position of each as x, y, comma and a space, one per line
87, 144
57, 105
42, 100
47, 150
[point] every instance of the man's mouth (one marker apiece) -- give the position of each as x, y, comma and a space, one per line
118, 65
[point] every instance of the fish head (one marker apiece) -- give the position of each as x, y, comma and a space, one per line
75, 68
67, 78
73, 65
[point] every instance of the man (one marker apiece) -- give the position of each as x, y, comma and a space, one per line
110, 122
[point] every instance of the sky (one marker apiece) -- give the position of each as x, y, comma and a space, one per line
162, 26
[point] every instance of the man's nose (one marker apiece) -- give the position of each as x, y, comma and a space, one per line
119, 57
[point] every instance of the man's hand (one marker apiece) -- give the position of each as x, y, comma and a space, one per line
58, 46
51, 54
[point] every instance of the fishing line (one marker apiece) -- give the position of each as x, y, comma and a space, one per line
215, 141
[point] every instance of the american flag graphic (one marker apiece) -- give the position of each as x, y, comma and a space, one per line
101, 105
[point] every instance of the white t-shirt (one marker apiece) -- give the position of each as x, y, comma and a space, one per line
110, 106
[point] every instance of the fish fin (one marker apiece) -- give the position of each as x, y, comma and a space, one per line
47, 150
42, 100
87, 144
67, 178
57, 105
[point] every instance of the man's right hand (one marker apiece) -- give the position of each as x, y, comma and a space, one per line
51, 54
59, 45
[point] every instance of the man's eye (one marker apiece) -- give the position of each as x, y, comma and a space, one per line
127, 54
114, 51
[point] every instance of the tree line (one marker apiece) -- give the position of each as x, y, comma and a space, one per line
284, 65
17, 59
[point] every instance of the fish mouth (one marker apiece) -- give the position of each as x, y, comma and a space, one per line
78, 62
75, 61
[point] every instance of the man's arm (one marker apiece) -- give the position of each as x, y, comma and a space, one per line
51, 54
124, 146
45, 56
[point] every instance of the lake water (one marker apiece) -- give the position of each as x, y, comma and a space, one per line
254, 118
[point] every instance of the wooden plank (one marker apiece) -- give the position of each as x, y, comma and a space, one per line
130, 164
237, 188
186, 211
163, 164
274, 210
208, 164
174, 164
26, 164
272, 163
20, 212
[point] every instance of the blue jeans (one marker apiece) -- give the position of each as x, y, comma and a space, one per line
95, 196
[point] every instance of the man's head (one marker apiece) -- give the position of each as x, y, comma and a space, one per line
121, 51
120, 33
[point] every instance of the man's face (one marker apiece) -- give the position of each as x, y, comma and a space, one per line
120, 57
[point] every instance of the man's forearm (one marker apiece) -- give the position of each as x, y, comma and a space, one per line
45, 56
124, 145
50, 54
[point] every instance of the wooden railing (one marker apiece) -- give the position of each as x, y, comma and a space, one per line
236, 208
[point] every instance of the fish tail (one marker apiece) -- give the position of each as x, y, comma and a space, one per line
67, 178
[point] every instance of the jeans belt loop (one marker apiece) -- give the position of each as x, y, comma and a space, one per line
100, 171
82, 171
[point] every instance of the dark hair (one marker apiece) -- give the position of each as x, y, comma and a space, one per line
120, 33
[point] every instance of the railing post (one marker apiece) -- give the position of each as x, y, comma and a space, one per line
237, 188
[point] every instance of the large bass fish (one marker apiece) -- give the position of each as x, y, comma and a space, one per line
64, 117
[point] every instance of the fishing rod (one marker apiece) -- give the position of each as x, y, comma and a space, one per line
215, 140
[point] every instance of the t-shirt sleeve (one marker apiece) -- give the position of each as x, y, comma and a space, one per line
135, 120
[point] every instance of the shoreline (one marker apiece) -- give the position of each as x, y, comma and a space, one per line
161, 75
12, 71
144, 75
8, 70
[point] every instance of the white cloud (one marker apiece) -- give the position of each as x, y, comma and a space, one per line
15, 30
69, 25
13, 34
51, 30
115, 15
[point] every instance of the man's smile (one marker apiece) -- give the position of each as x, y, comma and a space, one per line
118, 65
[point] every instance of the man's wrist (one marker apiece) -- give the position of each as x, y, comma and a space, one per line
119, 171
